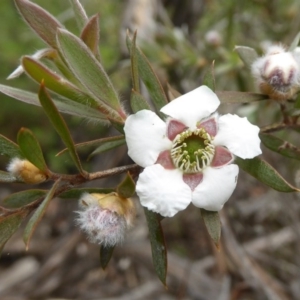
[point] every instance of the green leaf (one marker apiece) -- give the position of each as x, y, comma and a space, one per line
295, 42
138, 102
126, 188
209, 78
6, 177
247, 55
280, 146
76, 193
265, 173
9, 225
150, 79
38, 215
134, 65
80, 14
105, 255
9, 148
44, 24
63, 104
119, 125
213, 225
239, 97
158, 246
108, 143
22, 198
31, 149
90, 35
87, 69
59, 124
37, 71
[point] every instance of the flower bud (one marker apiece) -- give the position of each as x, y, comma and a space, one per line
277, 73
105, 217
25, 171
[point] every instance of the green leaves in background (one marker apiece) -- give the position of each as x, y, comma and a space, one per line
247, 55
77, 192
79, 12
265, 173
87, 69
59, 125
239, 97
209, 78
148, 76
31, 149
38, 214
22, 198
126, 188
9, 225
295, 42
213, 225
9, 148
158, 246
280, 146
43, 23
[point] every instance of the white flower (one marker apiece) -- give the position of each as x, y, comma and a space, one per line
187, 159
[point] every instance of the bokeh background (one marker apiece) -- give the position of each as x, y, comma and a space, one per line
259, 256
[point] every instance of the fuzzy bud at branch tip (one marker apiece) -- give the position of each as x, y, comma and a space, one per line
25, 171
278, 73
105, 217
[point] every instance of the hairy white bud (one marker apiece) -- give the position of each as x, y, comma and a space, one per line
105, 217
25, 171
277, 73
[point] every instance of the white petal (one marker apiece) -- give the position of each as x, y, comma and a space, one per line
163, 191
216, 187
145, 135
192, 107
238, 135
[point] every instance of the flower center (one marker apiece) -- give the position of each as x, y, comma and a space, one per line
192, 151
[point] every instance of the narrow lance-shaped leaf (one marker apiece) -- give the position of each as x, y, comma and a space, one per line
266, 174
247, 55
239, 97
43, 23
107, 146
9, 225
37, 71
91, 34
138, 102
87, 69
150, 79
31, 149
38, 215
158, 247
22, 198
134, 65
126, 188
9, 148
209, 78
213, 225
108, 143
80, 14
105, 255
63, 104
280, 146
59, 124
